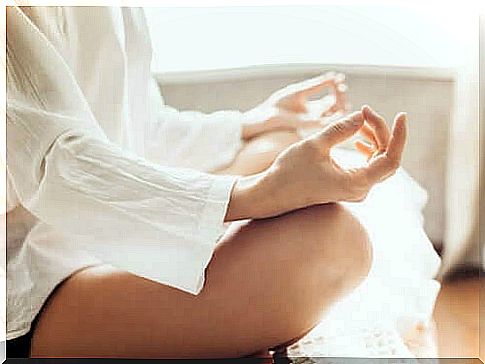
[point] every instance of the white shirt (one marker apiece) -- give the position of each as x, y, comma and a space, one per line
93, 159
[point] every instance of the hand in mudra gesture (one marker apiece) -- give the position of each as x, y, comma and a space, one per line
305, 174
292, 107
295, 98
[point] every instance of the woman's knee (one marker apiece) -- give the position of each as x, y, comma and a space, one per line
342, 245
333, 243
325, 237
324, 253
258, 153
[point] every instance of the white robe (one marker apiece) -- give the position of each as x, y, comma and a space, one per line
94, 159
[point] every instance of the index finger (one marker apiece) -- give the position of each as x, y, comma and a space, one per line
315, 84
339, 131
386, 163
398, 138
379, 125
330, 79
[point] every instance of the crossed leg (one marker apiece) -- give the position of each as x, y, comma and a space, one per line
259, 152
269, 281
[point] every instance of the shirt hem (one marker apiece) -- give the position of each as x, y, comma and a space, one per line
18, 333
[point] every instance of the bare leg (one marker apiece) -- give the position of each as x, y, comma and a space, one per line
268, 282
261, 357
258, 153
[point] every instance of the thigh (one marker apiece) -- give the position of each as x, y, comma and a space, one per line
259, 153
268, 282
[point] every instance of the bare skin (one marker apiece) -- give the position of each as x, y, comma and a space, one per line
270, 280
259, 153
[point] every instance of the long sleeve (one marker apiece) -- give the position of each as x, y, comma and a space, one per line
193, 139
158, 222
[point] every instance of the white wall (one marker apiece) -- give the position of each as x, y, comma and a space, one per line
401, 34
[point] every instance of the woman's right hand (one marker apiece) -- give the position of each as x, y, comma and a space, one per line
305, 174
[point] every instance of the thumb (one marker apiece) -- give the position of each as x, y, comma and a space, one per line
340, 130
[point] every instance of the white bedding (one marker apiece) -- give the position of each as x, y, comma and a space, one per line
390, 314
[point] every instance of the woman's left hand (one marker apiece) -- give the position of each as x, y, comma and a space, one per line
289, 108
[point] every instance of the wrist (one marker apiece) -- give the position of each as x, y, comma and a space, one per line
244, 200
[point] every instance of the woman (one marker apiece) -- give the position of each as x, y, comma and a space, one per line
114, 223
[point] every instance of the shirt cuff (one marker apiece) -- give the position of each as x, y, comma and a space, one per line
211, 228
